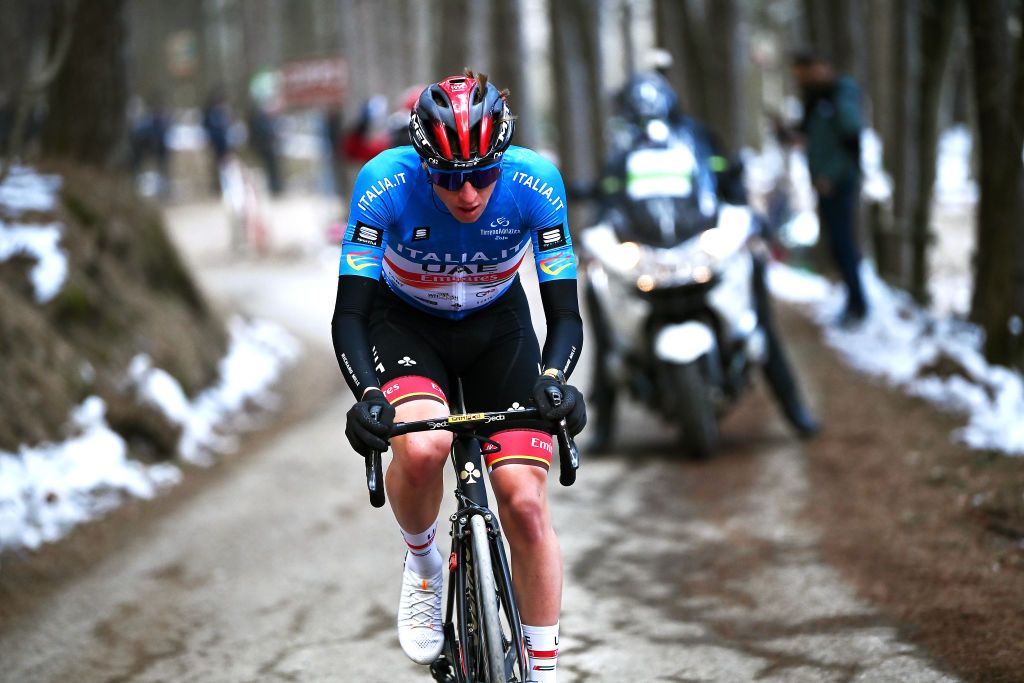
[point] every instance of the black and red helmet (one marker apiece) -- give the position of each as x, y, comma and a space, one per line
461, 122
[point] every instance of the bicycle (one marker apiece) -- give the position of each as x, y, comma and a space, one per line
482, 630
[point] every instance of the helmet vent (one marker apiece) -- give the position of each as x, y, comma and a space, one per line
438, 98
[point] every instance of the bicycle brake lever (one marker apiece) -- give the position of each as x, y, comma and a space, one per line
374, 476
568, 455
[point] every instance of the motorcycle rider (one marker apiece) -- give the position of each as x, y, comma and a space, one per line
650, 116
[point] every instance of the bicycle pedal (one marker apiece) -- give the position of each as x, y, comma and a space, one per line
441, 670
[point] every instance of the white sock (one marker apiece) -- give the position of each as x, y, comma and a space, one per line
424, 558
542, 647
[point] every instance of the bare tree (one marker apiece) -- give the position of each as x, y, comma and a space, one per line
509, 65
30, 65
836, 28
680, 31
453, 51
727, 73
998, 61
706, 40
87, 112
937, 20
577, 79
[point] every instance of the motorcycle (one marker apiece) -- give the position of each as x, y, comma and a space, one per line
678, 310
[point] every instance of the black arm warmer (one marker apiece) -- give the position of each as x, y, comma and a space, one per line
349, 329
564, 339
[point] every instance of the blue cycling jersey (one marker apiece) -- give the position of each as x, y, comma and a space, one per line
398, 227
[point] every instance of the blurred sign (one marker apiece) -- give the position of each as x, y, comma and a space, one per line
182, 54
314, 82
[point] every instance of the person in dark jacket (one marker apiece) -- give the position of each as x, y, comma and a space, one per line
831, 133
265, 142
217, 125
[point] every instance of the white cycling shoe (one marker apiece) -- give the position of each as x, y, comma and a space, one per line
420, 629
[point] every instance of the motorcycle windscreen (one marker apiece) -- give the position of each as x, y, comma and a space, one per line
668, 196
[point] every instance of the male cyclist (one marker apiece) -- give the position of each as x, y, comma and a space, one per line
429, 296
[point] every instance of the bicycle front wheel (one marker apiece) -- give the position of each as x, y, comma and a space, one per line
487, 603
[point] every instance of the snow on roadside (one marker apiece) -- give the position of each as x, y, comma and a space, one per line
25, 190
905, 346
47, 490
41, 242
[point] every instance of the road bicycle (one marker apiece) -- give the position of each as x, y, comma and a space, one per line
482, 630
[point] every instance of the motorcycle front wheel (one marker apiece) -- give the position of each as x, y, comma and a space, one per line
695, 412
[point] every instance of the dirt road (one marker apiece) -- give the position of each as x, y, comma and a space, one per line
279, 570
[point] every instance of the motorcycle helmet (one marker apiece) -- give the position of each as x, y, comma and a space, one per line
647, 97
461, 122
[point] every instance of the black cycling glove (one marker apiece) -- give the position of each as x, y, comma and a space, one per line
365, 433
549, 391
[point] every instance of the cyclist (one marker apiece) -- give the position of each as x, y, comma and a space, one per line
428, 296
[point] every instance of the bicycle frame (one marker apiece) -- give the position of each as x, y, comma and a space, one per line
472, 519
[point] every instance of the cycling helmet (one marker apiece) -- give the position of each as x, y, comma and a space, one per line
461, 122
648, 96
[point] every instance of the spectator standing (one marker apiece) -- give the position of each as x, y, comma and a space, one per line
364, 140
149, 132
265, 142
217, 125
334, 122
830, 129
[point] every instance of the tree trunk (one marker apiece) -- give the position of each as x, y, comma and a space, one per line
937, 21
509, 67
880, 79
903, 154
576, 79
818, 24
706, 40
87, 102
686, 33
725, 22
998, 61
453, 51
37, 44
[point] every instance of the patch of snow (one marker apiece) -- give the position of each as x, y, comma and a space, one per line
25, 190
953, 181
899, 343
47, 490
186, 136
40, 242
876, 184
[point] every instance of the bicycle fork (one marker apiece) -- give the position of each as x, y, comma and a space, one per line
462, 584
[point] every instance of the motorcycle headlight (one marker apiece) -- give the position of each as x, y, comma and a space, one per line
695, 261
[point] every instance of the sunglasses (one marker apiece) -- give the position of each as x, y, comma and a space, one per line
454, 180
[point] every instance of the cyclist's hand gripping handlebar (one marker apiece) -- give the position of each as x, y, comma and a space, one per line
374, 473
568, 454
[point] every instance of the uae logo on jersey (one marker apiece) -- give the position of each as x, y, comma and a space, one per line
551, 238
421, 233
367, 234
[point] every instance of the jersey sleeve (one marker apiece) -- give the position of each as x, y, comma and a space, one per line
549, 222
371, 214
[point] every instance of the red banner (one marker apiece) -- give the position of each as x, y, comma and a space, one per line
314, 82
